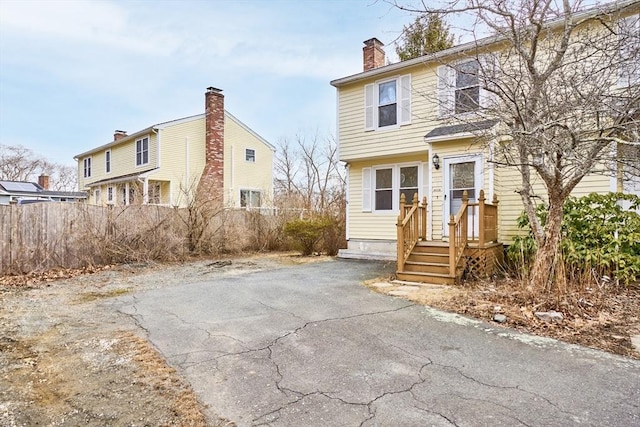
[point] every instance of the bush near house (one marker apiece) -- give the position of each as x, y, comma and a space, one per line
600, 240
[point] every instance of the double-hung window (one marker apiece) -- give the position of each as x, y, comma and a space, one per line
384, 189
142, 151
87, 167
109, 194
459, 88
388, 103
107, 161
250, 199
629, 45
250, 155
383, 186
467, 91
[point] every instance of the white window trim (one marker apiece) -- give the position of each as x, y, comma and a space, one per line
157, 185
625, 78
110, 194
446, 76
395, 186
254, 155
403, 103
135, 149
86, 171
250, 190
109, 163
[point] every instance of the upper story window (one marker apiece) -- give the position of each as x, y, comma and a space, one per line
467, 92
142, 151
250, 155
107, 161
86, 163
459, 88
388, 103
629, 45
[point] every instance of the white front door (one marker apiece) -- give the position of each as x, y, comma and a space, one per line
460, 174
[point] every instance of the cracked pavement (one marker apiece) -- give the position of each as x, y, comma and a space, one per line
308, 345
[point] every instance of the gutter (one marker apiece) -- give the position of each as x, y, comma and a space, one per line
476, 44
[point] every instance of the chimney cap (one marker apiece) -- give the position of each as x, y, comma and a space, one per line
213, 89
122, 132
372, 42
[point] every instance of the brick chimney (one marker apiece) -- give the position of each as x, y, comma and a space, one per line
43, 181
372, 54
212, 180
119, 134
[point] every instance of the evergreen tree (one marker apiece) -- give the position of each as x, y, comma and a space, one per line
428, 34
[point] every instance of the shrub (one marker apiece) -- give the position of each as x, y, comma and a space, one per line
599, 238
306, 233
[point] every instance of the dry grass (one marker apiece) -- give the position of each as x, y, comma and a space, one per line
603, 317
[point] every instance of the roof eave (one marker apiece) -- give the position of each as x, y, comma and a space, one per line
473, 45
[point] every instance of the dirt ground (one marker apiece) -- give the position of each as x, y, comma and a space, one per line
68, 358
603, 319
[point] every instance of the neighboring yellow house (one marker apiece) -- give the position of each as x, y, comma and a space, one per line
395, 140
166, 163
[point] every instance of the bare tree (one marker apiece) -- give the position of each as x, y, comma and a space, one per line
564, 85
308, 171
18, 163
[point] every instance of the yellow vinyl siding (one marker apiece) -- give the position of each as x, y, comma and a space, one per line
244, 175
180, 164
177, 164
373, 225
509, 179
358, 144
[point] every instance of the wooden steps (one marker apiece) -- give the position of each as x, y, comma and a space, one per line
428, 263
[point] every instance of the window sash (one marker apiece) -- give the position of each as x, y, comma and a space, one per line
107, 161
87, 167
250, 155
250, 199
387, 184
387, 103
142, 151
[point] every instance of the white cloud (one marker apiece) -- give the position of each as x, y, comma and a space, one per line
97, 23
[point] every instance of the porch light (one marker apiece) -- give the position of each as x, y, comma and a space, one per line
436, 161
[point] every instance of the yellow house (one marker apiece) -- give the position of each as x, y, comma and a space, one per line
167, 162
397, 137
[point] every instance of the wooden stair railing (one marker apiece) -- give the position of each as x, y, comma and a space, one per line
435, 262
458, 234
411, 227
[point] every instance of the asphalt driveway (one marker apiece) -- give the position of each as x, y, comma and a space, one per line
307, 345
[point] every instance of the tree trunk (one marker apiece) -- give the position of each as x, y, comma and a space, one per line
545, 258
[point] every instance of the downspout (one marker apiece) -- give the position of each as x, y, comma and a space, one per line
346, 208
230, 191
430, 193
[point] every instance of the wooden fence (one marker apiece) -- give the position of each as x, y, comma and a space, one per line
42, 236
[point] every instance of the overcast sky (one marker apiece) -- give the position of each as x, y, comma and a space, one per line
72, 72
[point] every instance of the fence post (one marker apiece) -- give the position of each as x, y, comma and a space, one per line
464, 220
481, 224
415, 219
400, 234
452, 246
424, 211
